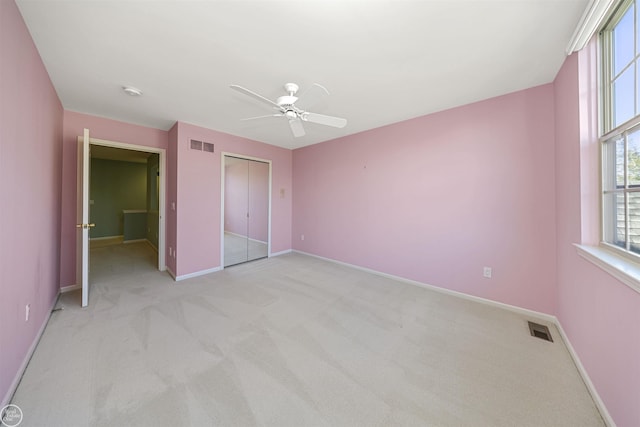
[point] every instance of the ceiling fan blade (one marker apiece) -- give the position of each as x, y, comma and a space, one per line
296, 127
312, 96
336, 122
254, 95
261, 117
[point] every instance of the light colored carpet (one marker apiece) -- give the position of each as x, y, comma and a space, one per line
102, 242
291, 341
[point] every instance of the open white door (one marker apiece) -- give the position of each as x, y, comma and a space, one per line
83, 225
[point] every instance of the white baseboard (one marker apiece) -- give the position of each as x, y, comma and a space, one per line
25, 362
136, 241
536, 314
106, 238
155, 248
70, 288
604, 413
288, 251
196, 274
524, 311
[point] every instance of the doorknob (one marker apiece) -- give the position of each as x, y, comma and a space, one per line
85, 226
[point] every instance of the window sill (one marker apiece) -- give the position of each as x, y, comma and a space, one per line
625, 270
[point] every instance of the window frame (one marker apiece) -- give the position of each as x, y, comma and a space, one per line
606, 59
609, 133
622, 132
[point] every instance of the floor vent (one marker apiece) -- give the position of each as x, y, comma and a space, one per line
540, 331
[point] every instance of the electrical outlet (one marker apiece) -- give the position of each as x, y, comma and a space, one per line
27, 311
487, 272
302, 237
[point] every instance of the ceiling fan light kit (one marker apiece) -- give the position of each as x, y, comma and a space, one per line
285, 105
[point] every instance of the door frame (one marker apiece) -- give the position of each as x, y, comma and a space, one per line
82, 216
161, 187
223, 156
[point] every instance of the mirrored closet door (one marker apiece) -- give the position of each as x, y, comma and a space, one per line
246, 210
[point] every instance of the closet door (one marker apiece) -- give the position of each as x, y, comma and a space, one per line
258, 208
246, 210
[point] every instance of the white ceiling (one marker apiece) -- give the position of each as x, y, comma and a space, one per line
382, 61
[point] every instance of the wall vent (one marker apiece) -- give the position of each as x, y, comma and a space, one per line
540, 331
201, 146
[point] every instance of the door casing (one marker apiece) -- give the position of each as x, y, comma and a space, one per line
161, 196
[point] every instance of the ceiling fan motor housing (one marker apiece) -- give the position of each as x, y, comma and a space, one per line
286, 100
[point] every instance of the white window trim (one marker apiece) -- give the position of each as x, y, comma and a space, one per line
620, 263
606, 113
623, 269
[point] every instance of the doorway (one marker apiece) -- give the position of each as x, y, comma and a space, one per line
246, 209
126, 202
126, 192
124, 206
85, 145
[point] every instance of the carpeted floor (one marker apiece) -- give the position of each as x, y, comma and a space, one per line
290, 341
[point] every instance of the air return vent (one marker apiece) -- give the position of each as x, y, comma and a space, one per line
201, 146
540, 331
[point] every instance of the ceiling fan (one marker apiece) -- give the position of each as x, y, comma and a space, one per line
296, 114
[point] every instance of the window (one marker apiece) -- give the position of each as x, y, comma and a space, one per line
620, 41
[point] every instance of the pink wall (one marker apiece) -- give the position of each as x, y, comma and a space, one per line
436, 198
30, 171
197, 196
172, 188
599, 314
111, 130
